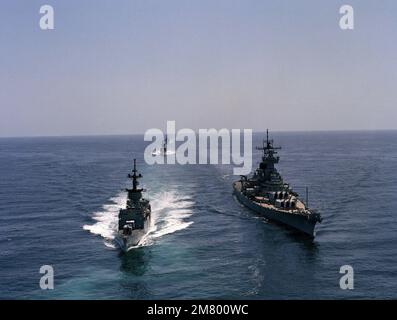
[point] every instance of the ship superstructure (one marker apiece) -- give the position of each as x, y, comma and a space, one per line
134, 220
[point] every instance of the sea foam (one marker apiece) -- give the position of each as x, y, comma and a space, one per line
170, 213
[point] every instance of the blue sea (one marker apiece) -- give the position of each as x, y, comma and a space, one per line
59, 199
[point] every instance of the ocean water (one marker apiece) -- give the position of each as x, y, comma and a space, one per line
59, 199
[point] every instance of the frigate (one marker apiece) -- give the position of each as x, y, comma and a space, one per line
266, 193
134, 220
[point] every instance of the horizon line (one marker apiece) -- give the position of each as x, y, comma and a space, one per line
141, 134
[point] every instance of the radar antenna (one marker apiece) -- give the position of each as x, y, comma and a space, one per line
267, 145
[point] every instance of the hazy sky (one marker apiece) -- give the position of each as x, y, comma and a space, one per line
113, 67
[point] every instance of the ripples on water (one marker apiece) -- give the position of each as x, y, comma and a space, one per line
59, 200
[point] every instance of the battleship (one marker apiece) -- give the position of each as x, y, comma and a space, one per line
267, 194
134, 220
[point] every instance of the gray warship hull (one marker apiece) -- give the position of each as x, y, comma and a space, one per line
295, 221
128, 242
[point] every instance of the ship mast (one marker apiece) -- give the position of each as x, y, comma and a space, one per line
269, 150
267, 137
165, 145
135, 176
267, 173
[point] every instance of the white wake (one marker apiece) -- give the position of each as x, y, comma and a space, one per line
159, 152
170, 213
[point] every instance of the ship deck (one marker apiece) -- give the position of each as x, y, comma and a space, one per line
300, 207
